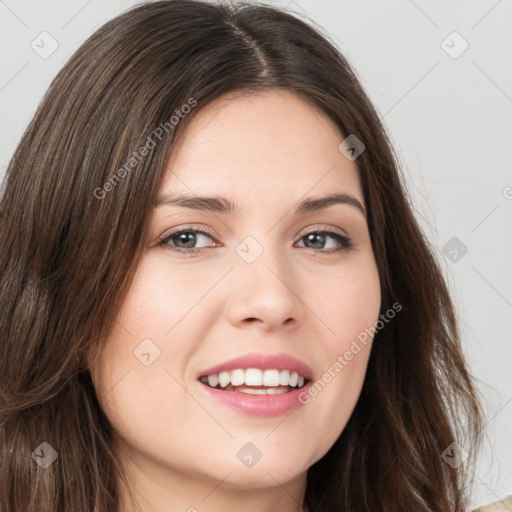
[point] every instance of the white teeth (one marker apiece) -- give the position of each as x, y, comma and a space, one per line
284, 377
275, 391
271, 378
213, 380
237, 377
255, 377
254, 391
224, 379
259, 391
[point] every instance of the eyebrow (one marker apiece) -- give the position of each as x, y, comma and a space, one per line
227, 207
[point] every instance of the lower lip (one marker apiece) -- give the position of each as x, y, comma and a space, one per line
259, 405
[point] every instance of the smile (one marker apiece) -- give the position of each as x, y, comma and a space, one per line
257, 384
255, 381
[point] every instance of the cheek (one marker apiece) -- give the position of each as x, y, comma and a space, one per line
138, 349
161, 322
166, 304
348, 302
349, 309
158, 298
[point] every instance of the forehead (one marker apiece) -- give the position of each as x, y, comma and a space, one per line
273, 144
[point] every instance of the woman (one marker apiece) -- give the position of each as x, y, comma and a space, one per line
299, 351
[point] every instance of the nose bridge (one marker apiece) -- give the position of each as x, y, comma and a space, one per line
264, 288
263, 255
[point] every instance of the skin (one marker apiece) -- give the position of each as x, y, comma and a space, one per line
178, 446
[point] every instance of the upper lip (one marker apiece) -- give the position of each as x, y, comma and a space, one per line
264, 362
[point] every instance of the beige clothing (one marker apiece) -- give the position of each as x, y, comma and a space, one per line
504, 505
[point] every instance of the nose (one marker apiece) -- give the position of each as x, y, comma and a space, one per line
265, 294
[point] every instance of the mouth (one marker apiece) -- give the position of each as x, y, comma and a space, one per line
256, 381
258, 384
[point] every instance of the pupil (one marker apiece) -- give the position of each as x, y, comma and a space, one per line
319, 236
183, 238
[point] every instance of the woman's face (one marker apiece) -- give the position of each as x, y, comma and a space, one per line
265, 280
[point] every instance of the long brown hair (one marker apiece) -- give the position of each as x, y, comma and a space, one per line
73, 224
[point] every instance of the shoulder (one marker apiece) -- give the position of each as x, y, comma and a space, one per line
504, 505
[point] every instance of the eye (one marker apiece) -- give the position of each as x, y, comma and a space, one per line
318, 240
184, 239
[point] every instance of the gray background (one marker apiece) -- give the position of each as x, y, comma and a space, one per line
449, 114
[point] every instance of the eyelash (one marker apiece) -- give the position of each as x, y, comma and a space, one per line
346, 243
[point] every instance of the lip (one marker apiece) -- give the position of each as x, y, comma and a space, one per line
264, 362
260, 405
